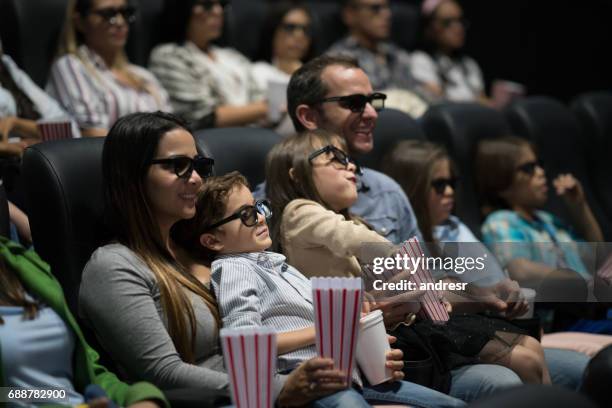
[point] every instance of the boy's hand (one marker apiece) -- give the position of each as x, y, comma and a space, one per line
312, 379
570, 189
395, 360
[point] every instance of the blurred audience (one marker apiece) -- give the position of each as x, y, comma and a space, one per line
22, 104
441, 65
386, 64
209, 85
285, 43
41, 345
92, 77
369, 29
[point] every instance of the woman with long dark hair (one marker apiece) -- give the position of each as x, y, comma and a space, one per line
285, 43
440, 64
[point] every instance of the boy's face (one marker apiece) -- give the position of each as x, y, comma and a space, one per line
235, 237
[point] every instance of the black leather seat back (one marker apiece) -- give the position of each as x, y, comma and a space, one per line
145, 32
594, 114
554, 130
241, 149
405, 24
327, 24
30, 31
64, 193
460, 127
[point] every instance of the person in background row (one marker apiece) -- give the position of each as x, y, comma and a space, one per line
22, 104
286, 42
440, 64
210, 86
41, 345
369, 28
92, 77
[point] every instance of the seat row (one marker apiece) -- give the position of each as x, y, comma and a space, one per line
63, 178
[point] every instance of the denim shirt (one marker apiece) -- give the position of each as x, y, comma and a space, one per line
382, 203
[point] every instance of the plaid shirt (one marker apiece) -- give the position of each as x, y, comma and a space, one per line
545, 239
388, 67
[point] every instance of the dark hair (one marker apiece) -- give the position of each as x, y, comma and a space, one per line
274, 19
176, 20
176, 16
13, 293
210, 208
424, 42
411, 163
281, 189
496, 161
306, 86
130, 146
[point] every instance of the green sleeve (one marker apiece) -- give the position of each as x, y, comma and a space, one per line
118, 391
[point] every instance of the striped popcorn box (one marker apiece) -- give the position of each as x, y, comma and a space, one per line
337, 307
250, 358
431, 304
54, 130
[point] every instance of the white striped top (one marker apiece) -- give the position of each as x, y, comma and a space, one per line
261, 289
198, 82
89, 90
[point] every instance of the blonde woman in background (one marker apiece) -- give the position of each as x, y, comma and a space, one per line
92, 78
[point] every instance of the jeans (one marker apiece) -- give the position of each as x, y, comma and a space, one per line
473, 382
566, 367
479, 380
399, 392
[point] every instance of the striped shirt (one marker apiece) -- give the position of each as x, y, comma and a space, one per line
261, 289
198, 83
89, 90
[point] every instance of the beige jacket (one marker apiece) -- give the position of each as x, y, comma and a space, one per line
320, 242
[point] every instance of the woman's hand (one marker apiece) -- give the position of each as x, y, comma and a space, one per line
395, 361
312, 379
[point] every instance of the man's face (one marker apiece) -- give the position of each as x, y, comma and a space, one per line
370, 18
355, 127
